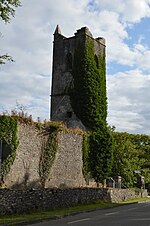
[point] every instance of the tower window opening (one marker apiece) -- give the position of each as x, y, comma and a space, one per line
69, 114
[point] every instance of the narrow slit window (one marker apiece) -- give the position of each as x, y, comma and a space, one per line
69, 114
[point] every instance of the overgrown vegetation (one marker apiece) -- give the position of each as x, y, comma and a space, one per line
131, 153
101, 154
49, 131
88, 96
89, 102
142, 145
128, 153
49, 150
8, 135
85, 151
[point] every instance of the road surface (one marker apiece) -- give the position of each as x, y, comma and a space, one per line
137, 214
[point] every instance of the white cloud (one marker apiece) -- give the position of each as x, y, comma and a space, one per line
128, 98
145, 59
126, 121
129, 10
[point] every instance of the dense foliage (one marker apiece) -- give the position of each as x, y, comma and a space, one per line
85, 151
101, 153
131, 153
142, 145
8, 135
89, 101
88, 96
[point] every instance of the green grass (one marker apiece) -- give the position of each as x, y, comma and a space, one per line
41, 215
135, 200
47, 214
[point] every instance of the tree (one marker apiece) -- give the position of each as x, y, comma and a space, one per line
142, 144
4, 58
101, 153
127, 158
7, 10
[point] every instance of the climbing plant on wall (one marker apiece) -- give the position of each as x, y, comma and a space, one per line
101, 153
88, 96
85, 151
49, 150
8, 136
89, 102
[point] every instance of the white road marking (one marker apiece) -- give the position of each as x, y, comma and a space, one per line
107, 214
131, 209
73, 222
141, 219
146, 201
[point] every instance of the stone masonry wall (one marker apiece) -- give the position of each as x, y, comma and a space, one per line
24, 201
25, 169
66, 170
118, 195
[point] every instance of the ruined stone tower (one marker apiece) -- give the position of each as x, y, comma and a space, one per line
62, 79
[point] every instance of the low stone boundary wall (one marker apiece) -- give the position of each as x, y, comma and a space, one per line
24, 201
118, 195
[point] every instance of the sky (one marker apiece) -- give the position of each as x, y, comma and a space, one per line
125, 24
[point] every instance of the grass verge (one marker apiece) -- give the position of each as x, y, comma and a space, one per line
135, 200
59, 213
47, 214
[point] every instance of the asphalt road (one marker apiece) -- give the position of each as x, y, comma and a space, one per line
127, 215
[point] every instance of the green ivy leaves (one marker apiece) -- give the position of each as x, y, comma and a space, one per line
89, 102
8, 134
48, 152
88, 96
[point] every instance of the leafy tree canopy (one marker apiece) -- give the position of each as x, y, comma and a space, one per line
7, 10
131, 153
4, 58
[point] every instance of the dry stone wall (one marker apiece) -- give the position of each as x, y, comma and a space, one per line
117, 195
24, 201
